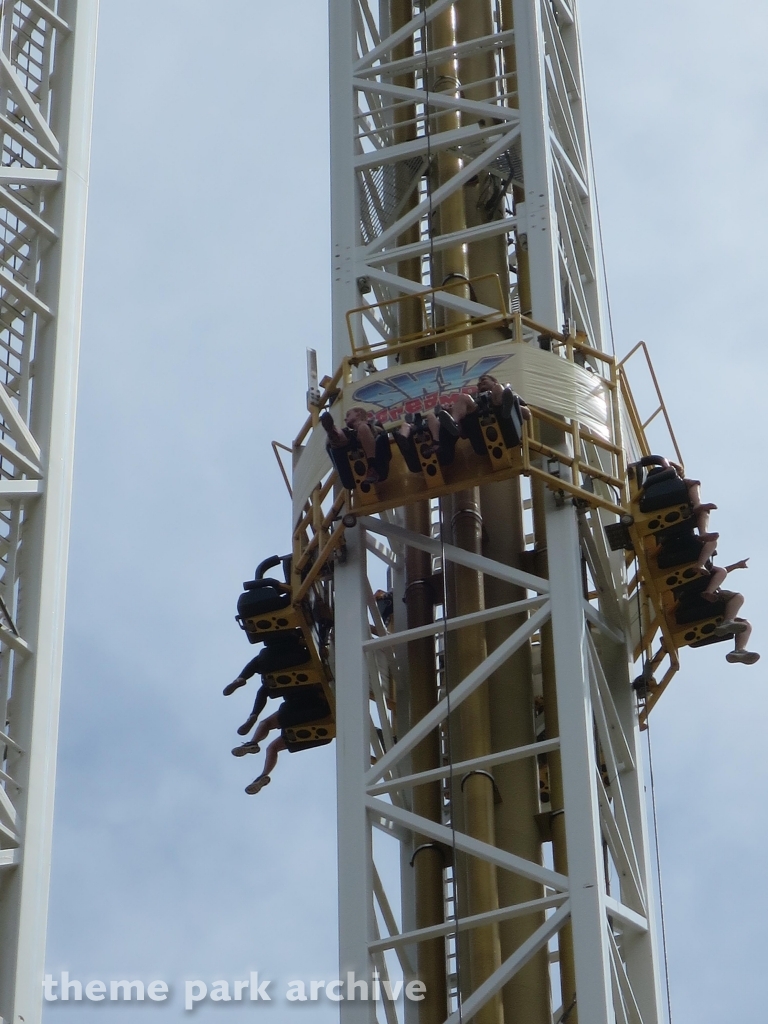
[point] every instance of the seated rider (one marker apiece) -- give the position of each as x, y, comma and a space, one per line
299, 707
702, 598
490, 393
262, 694
280, 652
717, 576
700, 510
358, 423
680, 541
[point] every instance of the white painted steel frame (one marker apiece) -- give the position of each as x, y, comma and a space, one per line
613, 935
544, 129
47, 63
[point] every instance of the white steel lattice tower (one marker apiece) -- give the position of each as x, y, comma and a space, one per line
47, 59
488, 742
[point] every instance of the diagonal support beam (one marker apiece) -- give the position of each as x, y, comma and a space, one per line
465, 924
467, 172
411, 27
456, 555
599, 620
623, 856
7, 280
16, 426
445, 299
472, 47
503, 226
466, 844
48, 14
458, 695
469, 1007
475, 763
27, 103
422, 145
446, 101
628, 996
500, 611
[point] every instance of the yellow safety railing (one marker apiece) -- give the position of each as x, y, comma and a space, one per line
364, 351
640, 425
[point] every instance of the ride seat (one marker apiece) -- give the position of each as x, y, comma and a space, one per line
501, 435
691, 619
680, 549
310, 734
283, 653
419, 454
659, 499
264, 609
288, 678
662, 489
351, 463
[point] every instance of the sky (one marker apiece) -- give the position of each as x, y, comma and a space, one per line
207, 276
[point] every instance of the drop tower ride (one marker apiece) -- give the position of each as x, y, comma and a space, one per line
491, 815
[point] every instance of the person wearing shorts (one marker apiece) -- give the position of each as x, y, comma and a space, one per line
301, 706
697, 602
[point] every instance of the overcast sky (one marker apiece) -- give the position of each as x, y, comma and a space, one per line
207, 276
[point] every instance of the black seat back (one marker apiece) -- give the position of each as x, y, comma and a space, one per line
679, 549
340, 457
662, 489
283, 652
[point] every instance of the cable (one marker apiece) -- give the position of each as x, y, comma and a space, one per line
449, 754
600, 235
658, 876
448, 749
428, 134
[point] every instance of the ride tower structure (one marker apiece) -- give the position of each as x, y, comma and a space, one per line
492, 831
47, 63
493, 736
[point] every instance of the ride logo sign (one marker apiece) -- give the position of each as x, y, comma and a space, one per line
391, 394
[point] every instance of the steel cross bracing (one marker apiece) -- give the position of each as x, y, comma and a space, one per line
376, 783
379, 188
47, 59
524, 127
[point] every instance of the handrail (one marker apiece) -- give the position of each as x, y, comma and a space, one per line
427, 334
637, 422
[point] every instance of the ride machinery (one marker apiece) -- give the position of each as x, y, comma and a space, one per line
492, 827
47, 58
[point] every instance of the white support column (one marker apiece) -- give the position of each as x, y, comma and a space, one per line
345, 210
352, 761
41, 282
577, 752
538, 221
639, 949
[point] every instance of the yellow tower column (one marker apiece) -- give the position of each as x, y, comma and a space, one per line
526, 996
421, 696
479, 950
